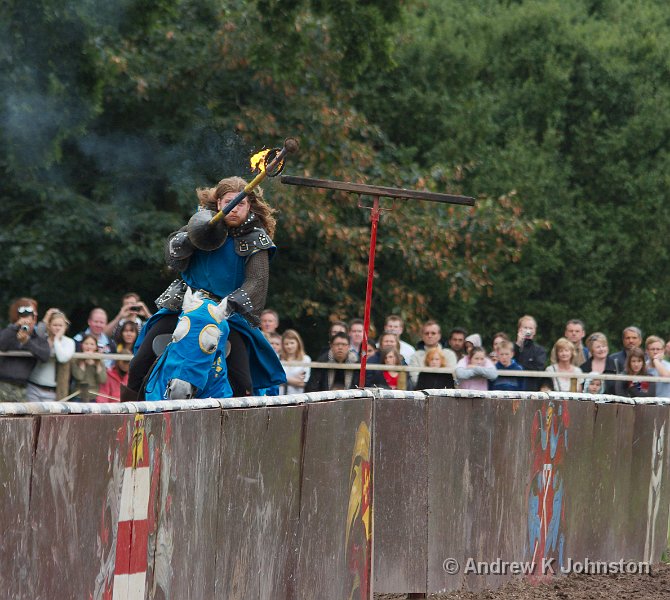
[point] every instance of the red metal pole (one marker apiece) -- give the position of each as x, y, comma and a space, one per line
368, 293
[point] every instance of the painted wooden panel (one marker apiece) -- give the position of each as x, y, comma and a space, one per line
17, 438
400, 495
335, 513
259, 502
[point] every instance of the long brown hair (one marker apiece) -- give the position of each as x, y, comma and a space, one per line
395, 353
635, 353
208, 198
292, 334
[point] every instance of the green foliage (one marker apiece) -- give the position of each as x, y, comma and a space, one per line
360, 33
567, 104
554, 114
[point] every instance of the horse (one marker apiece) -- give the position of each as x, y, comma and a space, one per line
193, 364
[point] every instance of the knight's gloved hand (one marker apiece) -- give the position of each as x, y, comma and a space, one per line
180, 246
239, 302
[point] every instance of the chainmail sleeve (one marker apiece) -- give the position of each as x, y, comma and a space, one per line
249, 298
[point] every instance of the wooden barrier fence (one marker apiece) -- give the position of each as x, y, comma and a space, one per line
273, 497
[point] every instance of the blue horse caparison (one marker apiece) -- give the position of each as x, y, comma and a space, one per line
194, 362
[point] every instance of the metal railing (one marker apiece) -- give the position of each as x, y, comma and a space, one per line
452, 371
405, 368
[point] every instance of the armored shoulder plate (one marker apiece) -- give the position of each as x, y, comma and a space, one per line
253, 241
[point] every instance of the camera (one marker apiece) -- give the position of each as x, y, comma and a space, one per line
136, 308
24, 328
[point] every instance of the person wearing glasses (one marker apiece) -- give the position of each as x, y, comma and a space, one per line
430, 336
323, 380
20, 335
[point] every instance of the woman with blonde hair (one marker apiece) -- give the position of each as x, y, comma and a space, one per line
599, 361
228, 260
292, 348
50, 380
562, 355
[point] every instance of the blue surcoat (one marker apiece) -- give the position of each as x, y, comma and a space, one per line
220, 271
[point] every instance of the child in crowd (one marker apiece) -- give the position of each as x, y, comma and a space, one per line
474, 371
562, 358
594, 386
275, 341
546, 385
88, 373
635, 366
506, 362
656, 365
395, 380
472, 341
435, 359
498, 339
292, 348
110, 390
391, 379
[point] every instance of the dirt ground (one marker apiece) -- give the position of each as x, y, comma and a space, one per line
654, 586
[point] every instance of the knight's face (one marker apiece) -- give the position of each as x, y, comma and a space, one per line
239, 214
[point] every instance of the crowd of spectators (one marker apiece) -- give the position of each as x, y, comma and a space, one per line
50, 370
572, 365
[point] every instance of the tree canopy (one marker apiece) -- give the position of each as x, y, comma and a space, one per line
553, 114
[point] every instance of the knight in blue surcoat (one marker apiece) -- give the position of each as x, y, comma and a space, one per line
225, 266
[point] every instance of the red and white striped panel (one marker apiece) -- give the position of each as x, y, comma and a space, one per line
132, 537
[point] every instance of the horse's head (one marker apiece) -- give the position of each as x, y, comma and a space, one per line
198, 343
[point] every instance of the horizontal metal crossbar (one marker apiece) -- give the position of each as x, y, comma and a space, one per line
376, 190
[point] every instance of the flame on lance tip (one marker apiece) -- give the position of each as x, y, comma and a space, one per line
257, 161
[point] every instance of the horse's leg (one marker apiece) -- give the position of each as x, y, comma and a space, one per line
239, 373
142, 362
